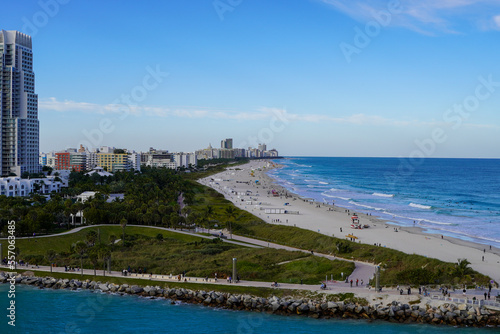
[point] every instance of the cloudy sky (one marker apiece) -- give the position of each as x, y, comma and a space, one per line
308, 77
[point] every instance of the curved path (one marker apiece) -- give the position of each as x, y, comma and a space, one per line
363, 271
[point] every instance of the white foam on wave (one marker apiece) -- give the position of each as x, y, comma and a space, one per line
367, 206
382, 195
333, 189
331, 196
323, 182
420, 206
421, 221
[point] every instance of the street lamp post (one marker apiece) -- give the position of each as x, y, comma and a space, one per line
234, 269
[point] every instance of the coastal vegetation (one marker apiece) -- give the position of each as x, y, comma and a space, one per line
168, 198
148, 250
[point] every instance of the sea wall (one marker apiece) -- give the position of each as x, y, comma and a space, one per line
445, 314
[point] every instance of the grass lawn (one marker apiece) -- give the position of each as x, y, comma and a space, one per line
175, 253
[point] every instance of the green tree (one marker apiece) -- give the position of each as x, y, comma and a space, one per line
93, 254
462, 268
91, 237
123, 223
104, 253
231, 214
81, 248
112, 239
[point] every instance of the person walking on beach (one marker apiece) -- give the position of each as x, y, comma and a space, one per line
351, 283
485, 295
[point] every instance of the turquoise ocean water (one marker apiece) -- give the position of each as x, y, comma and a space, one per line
454, 197
61, 311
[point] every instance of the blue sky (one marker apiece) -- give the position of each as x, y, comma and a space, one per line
308, 77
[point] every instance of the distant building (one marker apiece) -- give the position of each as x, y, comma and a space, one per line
185, 160
135, 161
15, 186
71, 160
227, 143
114, 162
47, 159
207, 153
271, 153
19, 125
158, 159
100, 171
85, 196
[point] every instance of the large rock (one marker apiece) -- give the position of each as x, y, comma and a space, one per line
103, 287
275, 306
293, 306
332, 305
302, 308
136, 289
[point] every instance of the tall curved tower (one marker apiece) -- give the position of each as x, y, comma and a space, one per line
19, 131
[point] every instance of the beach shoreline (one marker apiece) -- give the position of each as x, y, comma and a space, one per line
238, 185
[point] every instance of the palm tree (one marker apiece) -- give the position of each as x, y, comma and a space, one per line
123, 223
81, 248
94, 257
207, 213
462, 268
91, 237
112, 239
50, 255
231, 213
105, 254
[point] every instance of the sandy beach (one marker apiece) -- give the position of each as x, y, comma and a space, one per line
239, 185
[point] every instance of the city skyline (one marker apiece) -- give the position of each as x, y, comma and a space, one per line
311, 77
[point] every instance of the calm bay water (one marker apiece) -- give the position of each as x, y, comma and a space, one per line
455, 197
62, 311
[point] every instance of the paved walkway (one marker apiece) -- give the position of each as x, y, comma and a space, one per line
332, 289
363, 271
155, 279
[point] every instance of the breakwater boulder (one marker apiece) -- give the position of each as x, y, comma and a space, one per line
444, 314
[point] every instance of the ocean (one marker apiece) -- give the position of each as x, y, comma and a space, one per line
50, 311
453, 197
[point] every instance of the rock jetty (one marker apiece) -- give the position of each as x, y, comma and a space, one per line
445, 314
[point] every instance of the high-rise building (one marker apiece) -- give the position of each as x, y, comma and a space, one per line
19, 126
227, 143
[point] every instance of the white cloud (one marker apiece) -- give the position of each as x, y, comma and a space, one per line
263, 113
424, 16
496, 19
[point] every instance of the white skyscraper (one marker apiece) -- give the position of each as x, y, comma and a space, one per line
19, 131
